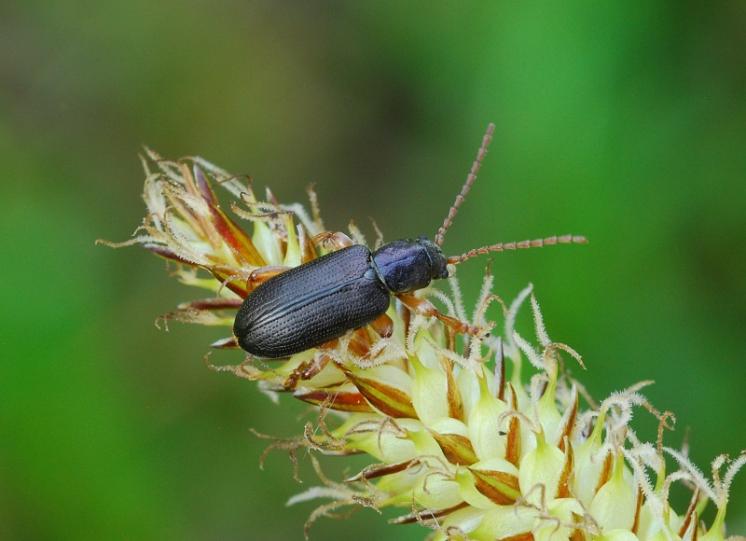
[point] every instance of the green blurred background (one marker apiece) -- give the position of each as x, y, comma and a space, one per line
624, 121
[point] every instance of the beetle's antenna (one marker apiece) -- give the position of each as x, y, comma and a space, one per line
522, 245
470, 178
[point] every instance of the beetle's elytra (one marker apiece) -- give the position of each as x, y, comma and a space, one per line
311, 304
323, 299
319, 301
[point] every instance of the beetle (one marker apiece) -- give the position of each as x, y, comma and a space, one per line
319, 301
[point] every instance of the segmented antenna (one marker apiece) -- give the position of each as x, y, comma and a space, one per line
521, 245
471, 177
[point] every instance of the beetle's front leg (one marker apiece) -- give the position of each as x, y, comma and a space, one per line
332, 241
426, 308
262, 274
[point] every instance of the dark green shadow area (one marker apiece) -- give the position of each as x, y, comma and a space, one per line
625, 122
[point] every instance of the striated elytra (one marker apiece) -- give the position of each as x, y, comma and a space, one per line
321, 300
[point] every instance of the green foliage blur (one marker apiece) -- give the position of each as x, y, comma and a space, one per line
623, 121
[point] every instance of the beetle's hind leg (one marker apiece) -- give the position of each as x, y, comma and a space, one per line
306, 370
426, 308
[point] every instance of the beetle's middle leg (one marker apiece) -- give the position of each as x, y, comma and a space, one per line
383, 325
262, 274
360, 343
426, 308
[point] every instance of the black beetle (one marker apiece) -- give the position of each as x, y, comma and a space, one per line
323, 299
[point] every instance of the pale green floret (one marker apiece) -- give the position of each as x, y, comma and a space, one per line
580, 474
613, 507
460, 437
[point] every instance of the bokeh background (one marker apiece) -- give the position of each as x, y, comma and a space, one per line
624, 121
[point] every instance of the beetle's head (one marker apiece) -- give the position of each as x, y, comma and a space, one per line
438, 262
